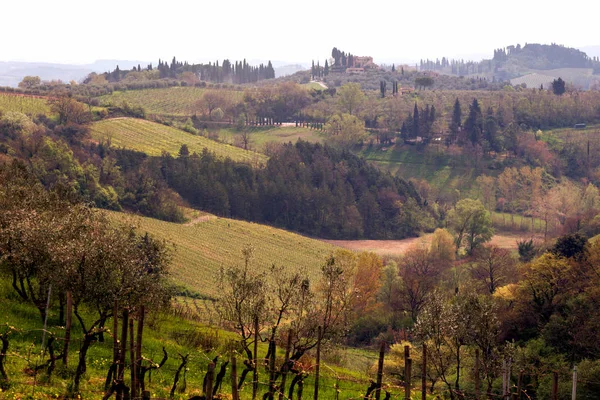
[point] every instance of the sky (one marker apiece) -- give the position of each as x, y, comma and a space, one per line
80, 32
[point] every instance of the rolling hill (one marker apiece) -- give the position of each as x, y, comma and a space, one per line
153, 138
177, 101
29, 105
207, 243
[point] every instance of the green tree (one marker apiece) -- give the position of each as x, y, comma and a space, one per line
558, 86
350, 97
474, 123
456, 119
471, 222
345, 130
29, 82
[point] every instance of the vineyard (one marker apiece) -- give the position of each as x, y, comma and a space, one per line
153, 138
23, 104
202, 248
177, 101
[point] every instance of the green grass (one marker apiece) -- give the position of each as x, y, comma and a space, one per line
261, 136
153, 138
177, 101
24, 104
313, 85
202, 248
444, 172
515, 222
176, 334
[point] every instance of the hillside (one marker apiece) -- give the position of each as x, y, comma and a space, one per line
153, 138
178, 101
24, 104
208, 243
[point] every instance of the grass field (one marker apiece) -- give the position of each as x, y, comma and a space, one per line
24, 104
177, 101
444, 172
153, 138
313, 85
201, 248
260, 136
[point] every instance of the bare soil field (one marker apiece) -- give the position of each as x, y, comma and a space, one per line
399, 247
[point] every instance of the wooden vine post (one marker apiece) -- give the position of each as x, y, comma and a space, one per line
380, 370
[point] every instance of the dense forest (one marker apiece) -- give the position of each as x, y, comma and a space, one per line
305, 187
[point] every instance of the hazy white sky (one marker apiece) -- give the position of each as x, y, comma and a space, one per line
76, 31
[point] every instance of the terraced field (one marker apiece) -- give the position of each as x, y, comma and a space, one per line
177, 101
24, 104
153, 138
202, 247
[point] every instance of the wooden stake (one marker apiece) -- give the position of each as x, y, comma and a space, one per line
210, 377
272, 352
574, 390
132, 360
424, 374
138, 347
68, 324
477, 382
519, 385
318, 364
255, 361
408, 378
234, 381
555, 385
285, 367
380, 370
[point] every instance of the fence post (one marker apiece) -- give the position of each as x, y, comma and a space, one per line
234, 387
477, 382
424, 374
408, 378
555, 385
318, 364
380, 370
574, 390
210, 376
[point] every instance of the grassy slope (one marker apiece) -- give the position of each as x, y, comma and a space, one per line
201, 248
260, 136
152, 138
168, 101
177, 335
444, 172
24, 104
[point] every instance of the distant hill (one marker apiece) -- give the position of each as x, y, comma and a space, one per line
12, 72
286, 70
527, 62
534, 80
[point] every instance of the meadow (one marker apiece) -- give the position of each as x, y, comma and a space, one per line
445, 172
261, 136
153, 138
24, 104
202, 247
177, 101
